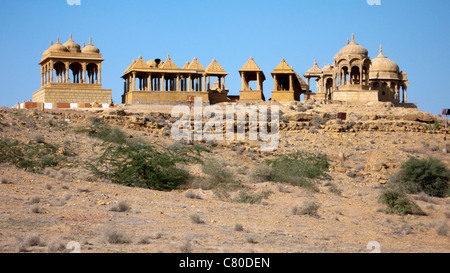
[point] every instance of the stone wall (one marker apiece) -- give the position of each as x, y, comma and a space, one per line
73, 95
251, 96
360, 96
143, 97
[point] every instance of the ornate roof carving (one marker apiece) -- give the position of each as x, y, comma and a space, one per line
283, 68
195, 65
215, 68
169, 64
250, 65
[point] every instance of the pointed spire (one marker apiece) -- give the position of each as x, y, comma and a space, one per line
70, 36
353, 37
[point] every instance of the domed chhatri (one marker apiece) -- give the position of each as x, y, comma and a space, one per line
354, 77
56, 48
72, 46
352, 49
383, 64
90, 48
71, 75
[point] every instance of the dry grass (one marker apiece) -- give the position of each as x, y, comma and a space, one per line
442, 229
308, 208
196, 219
121, 207
238, 227
114, 236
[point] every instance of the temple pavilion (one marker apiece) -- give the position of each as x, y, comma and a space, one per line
71, 74
158, 81
354, 77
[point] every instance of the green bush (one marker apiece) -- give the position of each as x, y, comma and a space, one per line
298, 169
398, 202
249, 198
142, 165
33, 157
99, 129
429, 175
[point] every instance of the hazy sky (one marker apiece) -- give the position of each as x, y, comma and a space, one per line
414, 33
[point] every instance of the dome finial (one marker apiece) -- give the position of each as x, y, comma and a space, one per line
70, 36
84, 44
348, 41
51, 42
90, 40
58, 40
353, 37
381, 49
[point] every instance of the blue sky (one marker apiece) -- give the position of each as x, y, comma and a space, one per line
415, 34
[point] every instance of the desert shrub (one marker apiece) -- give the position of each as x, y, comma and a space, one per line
298, 169
308, 208
115, 236
35, 241
186, 248
256, 198
334, 189
251, 240
99, 129
192, 195
221, 180
121, 207
429, 175
38, 210
442, 228
238, 227
317, 121
55, 247
142, 165
195, 218
399, 202
33, 157
260, 174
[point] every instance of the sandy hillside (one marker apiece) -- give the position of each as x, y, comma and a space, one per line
44, 211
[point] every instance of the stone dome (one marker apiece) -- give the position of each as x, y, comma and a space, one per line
383, 64
90, 48
72, 46
352, 49
55, 48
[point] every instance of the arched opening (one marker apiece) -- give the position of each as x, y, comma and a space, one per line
215, 83
376, 86
59, 69
313, 84
355, 75
384, 91
344, 75
328, 88
92, 71
77, 72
